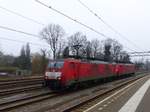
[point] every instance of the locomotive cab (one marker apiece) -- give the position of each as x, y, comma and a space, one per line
53, 74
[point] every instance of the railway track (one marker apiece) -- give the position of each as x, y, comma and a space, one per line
9, 91
8, 105
16, 86
66, 105
19, 83
15, 78
81, 103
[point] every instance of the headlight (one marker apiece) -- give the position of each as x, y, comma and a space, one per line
53, 75
58, 78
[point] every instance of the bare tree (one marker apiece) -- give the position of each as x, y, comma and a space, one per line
39, 62
77, 43
66, 52
147, 65
107, 53
61, 47
53, 35
88, 49
44, 60
96, 48
124, 57
116, 48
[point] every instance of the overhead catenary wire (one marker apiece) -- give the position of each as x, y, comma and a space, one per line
22, 32
19, 31
139, 52
34, 35
39, 45
109, 26
30, 34
65, 15
130, 49
20, 15
140, 55
88, 27
19, 41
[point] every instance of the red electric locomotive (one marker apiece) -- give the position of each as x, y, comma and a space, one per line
68, 72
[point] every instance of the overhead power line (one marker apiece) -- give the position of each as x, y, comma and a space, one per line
109, 26
140, 55
130, 49
30, 34
19, 41
46, 46
20, 15
19, 31
88, 27
139, 52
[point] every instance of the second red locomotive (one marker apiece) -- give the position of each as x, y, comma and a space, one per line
68, 72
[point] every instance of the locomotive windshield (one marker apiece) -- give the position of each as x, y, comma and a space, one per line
55, 64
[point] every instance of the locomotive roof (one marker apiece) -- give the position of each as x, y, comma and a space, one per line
91, 61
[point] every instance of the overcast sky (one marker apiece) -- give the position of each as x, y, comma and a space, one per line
129, 17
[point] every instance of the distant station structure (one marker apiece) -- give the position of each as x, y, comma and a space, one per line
137, 54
